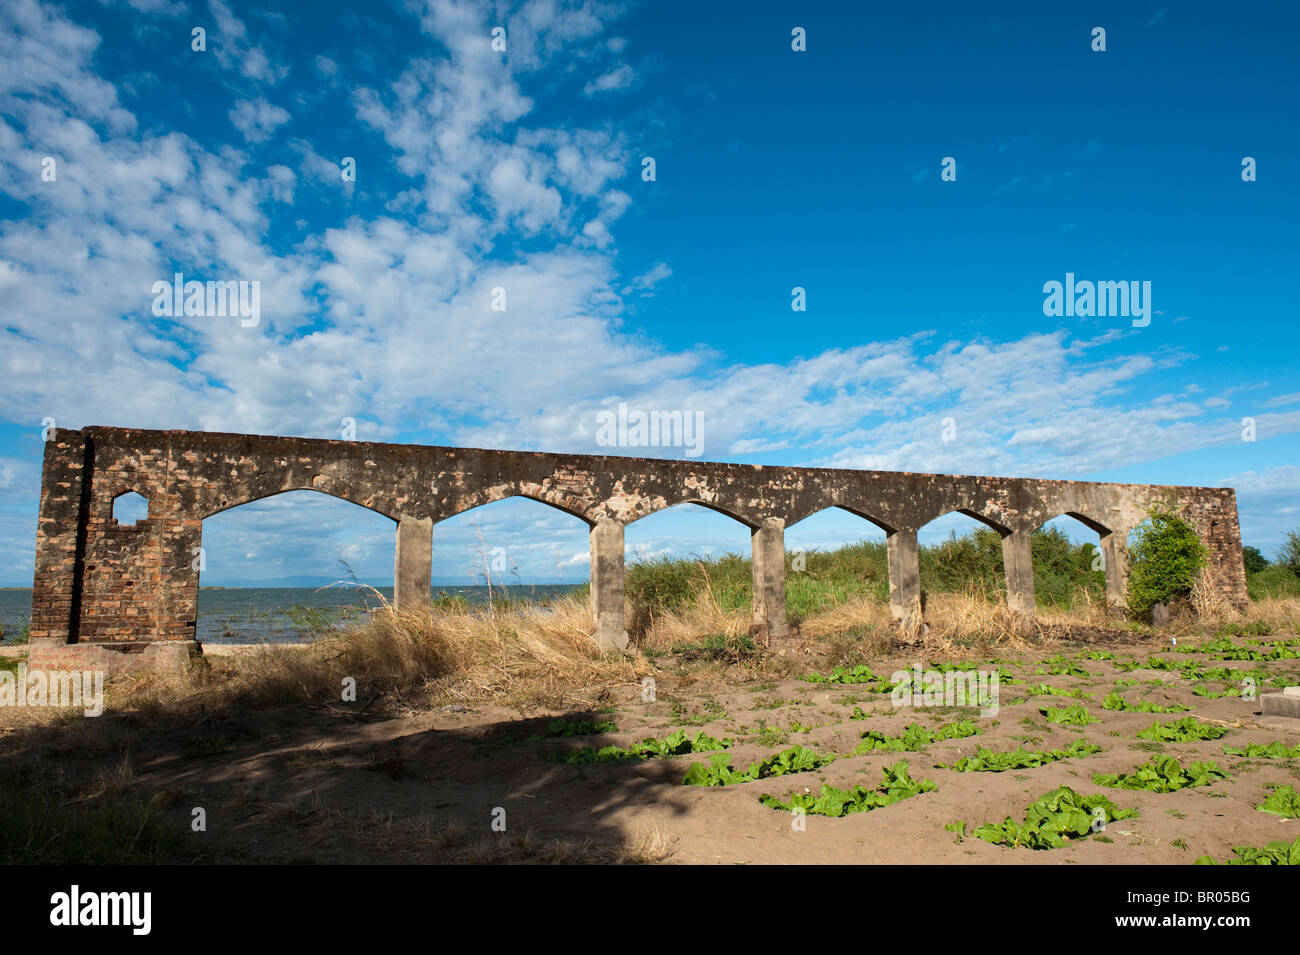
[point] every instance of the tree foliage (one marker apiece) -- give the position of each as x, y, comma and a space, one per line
1166, 556
1254, 560
1288, 555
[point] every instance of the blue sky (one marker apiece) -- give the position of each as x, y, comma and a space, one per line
480, 169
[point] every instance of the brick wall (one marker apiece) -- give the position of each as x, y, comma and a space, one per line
100, 583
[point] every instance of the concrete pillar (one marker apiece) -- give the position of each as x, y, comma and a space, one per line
607, 584
413, 564
1114, 556
1017, 558
767, 557
904, 559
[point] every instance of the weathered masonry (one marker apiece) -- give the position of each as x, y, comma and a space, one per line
117, 596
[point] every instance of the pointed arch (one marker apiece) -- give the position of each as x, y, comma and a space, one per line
567, 504
722, 509
227, 502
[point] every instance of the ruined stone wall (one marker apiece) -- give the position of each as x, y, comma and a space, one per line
98, 582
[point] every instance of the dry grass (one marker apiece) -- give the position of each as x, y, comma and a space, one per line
703, 617
531, 658
858, 613
953, 625
525, 656
1282, 614
972, 619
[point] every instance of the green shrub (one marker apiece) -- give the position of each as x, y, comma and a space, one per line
971, 563
1273, 581
1063, 569
1166, 557
1253, 559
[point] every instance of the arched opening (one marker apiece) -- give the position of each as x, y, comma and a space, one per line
1069, 563
290, 567
510, 551
689, 561
833, 556
129, 508
961, 553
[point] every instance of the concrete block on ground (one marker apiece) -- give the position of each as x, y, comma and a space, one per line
171, 656
1286, 703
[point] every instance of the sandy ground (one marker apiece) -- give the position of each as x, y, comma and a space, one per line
330, 784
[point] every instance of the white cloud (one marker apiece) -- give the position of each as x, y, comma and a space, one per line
646, 281
229, 42
1267, 504
258, 119
619, 78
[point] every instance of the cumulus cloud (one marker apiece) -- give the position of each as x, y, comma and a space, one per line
258, 119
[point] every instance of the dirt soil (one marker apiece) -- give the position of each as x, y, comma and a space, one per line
333, 784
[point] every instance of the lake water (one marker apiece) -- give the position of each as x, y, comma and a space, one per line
282, 614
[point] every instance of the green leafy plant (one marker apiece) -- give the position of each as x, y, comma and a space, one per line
1274, 750
1054, 820
1044, 689
1284, 650
1114, 701
674, 745
858, 674
1060, 666
1163, 774
1187, 730
1068, 715
1275, 853
896, 786
987, 761
914, 737
562, 727
718, 771
1283, 801
1203, 689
